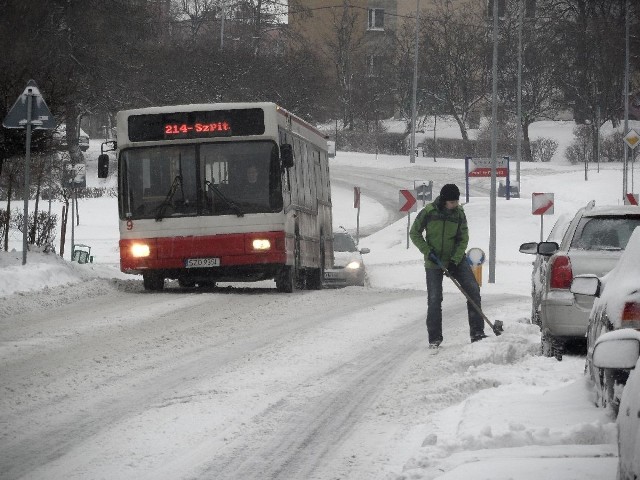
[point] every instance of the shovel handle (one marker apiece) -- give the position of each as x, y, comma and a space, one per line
437, 261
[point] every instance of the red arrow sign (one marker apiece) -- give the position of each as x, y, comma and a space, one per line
632, 199
542, 203
407, 201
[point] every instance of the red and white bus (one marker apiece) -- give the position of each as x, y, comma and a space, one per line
222, 192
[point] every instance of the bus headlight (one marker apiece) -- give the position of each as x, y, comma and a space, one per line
261, 244
140, 250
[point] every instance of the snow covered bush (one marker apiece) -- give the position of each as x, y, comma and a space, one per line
581, 148
543, 149
612, 148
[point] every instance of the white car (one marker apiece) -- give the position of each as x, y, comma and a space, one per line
348, 266
621, 350
616, 306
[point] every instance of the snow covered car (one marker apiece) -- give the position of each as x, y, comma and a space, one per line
348, 266
592, 244
621, 350
60, 138
616, 306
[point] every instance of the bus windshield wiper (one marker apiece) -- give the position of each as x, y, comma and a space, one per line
160, 212
230, 203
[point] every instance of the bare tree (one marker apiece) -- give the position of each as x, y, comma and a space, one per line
542, 56
454, 70
343, 47
592, 33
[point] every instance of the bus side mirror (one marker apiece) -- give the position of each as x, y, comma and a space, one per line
103, 166
286, 155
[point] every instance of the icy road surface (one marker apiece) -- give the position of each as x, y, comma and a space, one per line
236, 383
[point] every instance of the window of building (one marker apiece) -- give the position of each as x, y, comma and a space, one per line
376, 19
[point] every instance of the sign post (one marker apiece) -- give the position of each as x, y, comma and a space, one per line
424, 190
489, 167
542, 204
632, 139
356, 204
407, 201
29, 111
481, 167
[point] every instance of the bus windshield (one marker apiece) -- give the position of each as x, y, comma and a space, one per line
226, 178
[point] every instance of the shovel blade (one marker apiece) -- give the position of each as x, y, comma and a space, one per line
498, 327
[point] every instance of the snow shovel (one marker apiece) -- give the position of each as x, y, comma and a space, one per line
497, 326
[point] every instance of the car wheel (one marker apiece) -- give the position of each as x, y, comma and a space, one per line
551, 346
609, 391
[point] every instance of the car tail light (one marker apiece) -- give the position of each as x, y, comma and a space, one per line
631, 315
561, 273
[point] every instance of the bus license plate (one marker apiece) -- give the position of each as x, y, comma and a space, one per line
203, 262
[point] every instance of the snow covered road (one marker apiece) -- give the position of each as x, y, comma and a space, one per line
236, 380
226, 383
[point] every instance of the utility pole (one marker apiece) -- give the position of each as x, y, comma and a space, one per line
494, 148
625, 163
519, 93
412, 154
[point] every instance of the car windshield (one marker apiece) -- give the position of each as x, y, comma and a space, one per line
343, 243
604, 233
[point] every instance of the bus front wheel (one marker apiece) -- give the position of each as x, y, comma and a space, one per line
152, 281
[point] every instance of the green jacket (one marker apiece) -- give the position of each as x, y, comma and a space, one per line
441, 230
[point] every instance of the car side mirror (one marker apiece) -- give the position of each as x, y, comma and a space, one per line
547, 248
530, 248
103, 166
286, 155
364, 250
587, 284
619, 349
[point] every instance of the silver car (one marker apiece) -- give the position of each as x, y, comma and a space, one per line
592, 244
348, 267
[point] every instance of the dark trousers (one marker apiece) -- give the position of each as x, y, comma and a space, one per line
467, 280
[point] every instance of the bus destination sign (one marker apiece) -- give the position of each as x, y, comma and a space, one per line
199, 124
172, 129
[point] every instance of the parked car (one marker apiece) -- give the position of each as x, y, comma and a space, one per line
591, 244
348, 266
616, 306
514, 189
60, 138
621, 350
540, 264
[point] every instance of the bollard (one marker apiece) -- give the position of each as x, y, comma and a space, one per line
475, 257
477, 272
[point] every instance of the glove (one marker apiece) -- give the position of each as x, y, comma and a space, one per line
452, 267
433, 257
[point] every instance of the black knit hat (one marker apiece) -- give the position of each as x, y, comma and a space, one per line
449, 192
